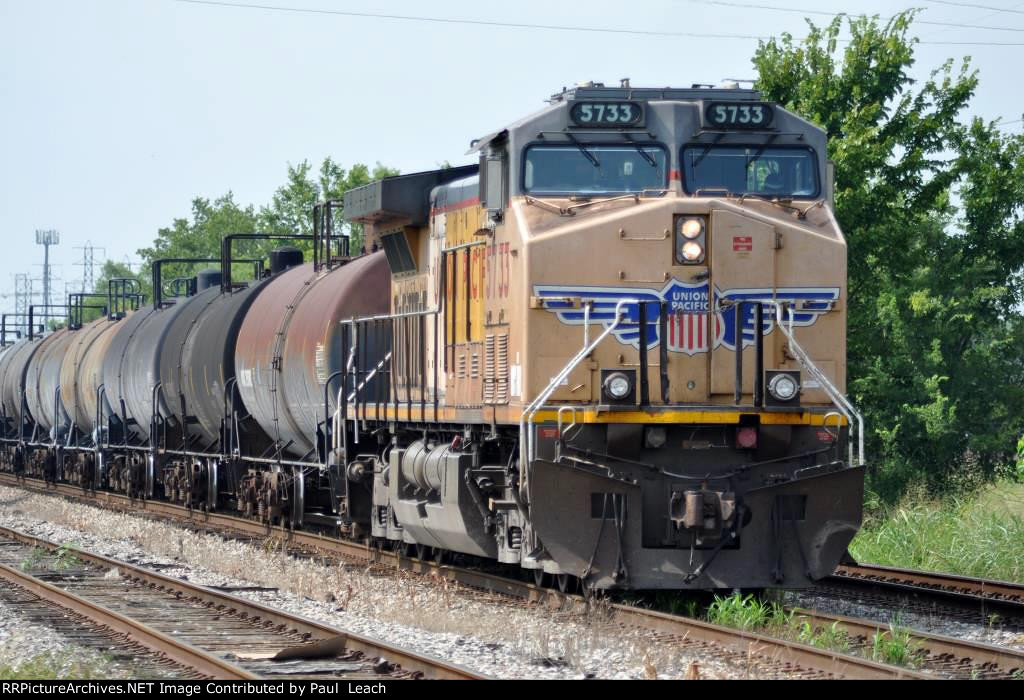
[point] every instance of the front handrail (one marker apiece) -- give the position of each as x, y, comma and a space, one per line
528, 414
838, 398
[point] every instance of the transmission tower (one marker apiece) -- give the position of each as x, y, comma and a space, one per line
22, 299
46, 238
88, 264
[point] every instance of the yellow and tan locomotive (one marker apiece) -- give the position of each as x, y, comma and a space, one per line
612, 353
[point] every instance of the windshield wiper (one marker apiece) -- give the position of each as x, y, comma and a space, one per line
760, 151
583, 149
644, 154
707, 150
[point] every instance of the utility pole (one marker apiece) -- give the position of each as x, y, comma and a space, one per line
46, 238
88, 264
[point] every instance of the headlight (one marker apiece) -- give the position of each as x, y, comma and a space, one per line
617, 385
783, 387
691, 251
692, 228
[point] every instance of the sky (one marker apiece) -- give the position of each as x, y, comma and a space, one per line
115, 114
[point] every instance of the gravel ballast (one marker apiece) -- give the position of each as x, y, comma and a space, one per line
485, 633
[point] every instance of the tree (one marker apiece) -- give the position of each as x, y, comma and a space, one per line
930, 204
200, 237
292, 205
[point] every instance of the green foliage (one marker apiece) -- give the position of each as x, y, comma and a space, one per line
930, 204
895, 646
291, 208
35, 556
290, 211
1018, 473
833, 637
64, 558
975, 535
54, 666
747, 612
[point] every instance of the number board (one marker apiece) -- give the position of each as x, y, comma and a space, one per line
739, 115
606, 114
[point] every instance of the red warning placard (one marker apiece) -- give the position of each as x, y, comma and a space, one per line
743, 244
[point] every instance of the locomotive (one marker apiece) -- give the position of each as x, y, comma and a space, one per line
611, 353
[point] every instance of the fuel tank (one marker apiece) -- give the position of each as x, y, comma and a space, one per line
290, 342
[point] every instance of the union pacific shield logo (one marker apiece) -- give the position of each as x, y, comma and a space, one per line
687, 325
696, 321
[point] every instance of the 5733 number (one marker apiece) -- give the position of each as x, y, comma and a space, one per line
606, 114
743, 115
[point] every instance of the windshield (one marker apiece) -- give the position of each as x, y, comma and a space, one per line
585, 169
760, 170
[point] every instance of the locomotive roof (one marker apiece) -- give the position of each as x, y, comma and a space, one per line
695, 92
597, 91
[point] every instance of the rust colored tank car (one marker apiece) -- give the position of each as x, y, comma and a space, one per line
611, 353
291, 341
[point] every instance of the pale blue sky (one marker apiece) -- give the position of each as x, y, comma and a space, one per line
114, 114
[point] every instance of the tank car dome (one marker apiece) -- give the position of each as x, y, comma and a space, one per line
283, 258
207, 278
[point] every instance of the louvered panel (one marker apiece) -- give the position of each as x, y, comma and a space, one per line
460, 369
501, 369
474, 366
489, 369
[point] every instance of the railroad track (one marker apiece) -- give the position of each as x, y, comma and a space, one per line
987, 597
778, 656
206, 632
942, 655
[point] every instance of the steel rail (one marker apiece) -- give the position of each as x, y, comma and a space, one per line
806, 656
990, 659
176, 650
997, 594
408, 660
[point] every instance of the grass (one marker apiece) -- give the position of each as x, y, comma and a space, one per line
832, 637
895, 646
974, 535
33, 559
62, 559
53, 666
746, 612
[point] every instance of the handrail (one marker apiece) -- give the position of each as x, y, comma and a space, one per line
842, 403
530, 411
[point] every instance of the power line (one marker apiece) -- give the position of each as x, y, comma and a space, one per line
473, 22
524, 25
775, 8
977, 7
